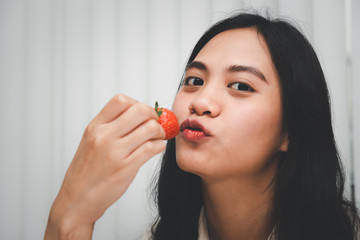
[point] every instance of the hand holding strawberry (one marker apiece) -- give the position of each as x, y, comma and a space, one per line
168, 122
115, 144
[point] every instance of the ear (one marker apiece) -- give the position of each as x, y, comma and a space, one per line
284, 142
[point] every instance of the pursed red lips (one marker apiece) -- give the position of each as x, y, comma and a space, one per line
193, 130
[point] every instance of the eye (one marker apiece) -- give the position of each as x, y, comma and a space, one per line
241, 86
193, 81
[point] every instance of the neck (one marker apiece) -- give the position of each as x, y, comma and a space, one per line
237, 209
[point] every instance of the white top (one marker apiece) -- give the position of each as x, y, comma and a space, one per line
203, 230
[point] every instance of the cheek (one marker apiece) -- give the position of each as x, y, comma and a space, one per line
256, 134
258, 125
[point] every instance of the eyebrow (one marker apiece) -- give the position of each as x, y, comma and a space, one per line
196, 64
232, 68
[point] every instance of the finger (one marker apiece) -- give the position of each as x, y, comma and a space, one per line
151, 130
132, 118
146, 151
114, 108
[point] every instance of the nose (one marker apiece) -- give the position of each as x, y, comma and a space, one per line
206, 103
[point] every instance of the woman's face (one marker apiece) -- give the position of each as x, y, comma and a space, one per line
230, 110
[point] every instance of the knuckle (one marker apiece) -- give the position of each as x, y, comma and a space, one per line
161, 132
153, 125
160, 146
155, 129
143, 109
97, 138
148, 148
121, 99
94, 141
151, 148
90, 130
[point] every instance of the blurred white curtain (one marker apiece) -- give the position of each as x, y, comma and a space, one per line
353, 64
62, 60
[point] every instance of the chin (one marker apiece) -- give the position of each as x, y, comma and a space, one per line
190, 164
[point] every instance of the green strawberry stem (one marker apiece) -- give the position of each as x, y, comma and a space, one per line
157, 109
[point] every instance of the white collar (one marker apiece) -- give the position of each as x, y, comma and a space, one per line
203, 230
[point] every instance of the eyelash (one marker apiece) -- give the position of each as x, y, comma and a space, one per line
188, 79
244, 87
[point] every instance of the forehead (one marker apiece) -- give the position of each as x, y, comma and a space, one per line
243, 46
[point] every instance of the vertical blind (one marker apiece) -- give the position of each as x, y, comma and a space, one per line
62, 60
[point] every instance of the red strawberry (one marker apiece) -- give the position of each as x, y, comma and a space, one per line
168, 121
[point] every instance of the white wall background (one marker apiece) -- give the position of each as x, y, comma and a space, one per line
62, 60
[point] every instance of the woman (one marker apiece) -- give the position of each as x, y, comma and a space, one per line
256, 157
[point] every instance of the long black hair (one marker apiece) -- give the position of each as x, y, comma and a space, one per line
309, 200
